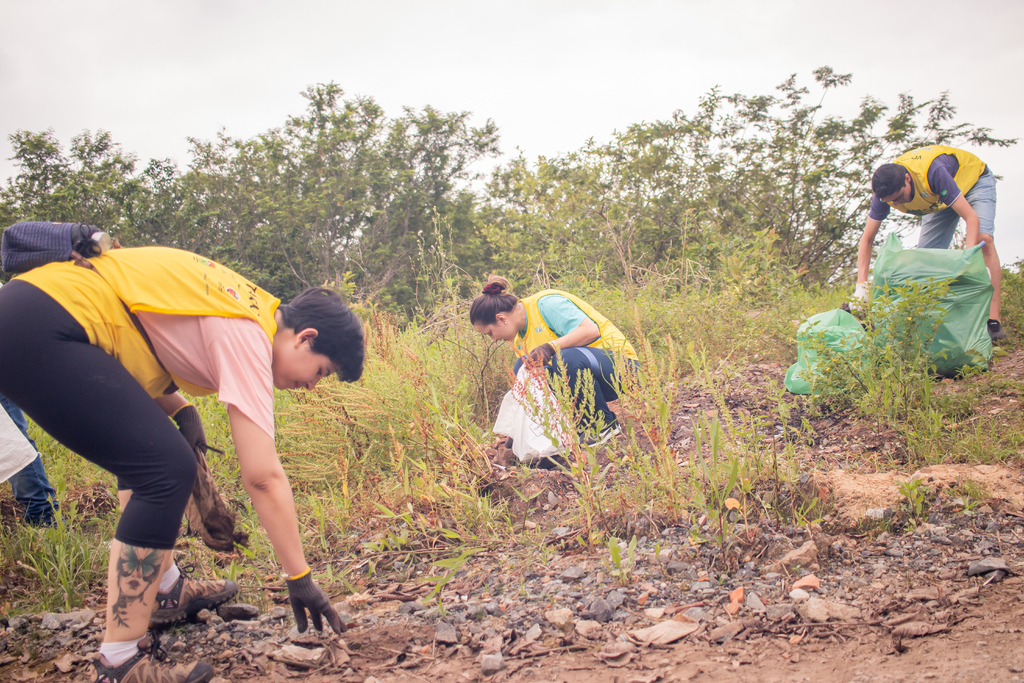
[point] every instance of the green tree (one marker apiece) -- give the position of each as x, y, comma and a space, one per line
94, 182
697, 189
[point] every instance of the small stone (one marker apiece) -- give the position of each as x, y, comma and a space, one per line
820, 610
700, 585
601, 610
776, 612
989, 564
798, 595
754, 603
445, 633
204, 616
560, 530
66, 663
238, 612
696, 614
809, 582
410, 607
589, 629
278, 613
727, 632
560, 619
616, 598
534, 633
491, 664
573, 574
654, 612
50, 622
675, 567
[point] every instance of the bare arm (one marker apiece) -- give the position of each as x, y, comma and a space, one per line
267, 484
586, 333
867, 243
965, 211
171, 403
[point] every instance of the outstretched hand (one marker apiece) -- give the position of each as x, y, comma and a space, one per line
304, 594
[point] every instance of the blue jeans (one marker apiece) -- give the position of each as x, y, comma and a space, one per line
937, 229
30, 486
600, 363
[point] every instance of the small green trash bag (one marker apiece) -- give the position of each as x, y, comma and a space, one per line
963, 335
838, 329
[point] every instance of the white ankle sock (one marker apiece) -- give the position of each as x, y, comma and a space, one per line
119, 653
169, 578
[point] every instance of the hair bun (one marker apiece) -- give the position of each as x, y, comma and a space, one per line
493, 288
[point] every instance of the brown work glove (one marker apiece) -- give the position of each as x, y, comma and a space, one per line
542, 354
207, 512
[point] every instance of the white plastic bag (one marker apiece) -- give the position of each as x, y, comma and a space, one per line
15, 450
524, 411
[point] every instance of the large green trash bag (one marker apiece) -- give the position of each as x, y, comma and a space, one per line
838, 329
963, 334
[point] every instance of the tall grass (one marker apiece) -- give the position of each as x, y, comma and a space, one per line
394, 467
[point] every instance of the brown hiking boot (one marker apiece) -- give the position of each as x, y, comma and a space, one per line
188, 597
148, 667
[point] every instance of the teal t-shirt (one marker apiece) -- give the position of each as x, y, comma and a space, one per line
561, 315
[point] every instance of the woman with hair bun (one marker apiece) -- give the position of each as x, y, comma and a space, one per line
555, 324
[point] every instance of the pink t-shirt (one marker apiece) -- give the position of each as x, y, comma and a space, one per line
230, 355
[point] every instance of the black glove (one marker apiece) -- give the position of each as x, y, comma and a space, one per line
303, 594
191, 427
542, 354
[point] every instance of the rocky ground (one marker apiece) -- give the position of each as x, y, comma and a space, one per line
837, 602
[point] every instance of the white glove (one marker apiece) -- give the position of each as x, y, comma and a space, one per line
861, 292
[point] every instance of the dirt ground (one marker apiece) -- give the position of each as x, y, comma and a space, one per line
497, 608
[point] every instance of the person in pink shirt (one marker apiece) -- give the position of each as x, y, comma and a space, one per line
89, 353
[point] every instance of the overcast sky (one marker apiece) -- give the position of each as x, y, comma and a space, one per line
551, 73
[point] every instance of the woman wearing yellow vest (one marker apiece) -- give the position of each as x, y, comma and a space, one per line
553, 323
94, 355
942, 184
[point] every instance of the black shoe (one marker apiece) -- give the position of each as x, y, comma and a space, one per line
596, 440
995, 330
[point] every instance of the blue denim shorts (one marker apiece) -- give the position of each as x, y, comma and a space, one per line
937, 229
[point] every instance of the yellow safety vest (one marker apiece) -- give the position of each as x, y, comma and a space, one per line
538, 332
917, 161
156, 280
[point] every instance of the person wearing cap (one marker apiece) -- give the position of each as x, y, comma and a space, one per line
942, 184
556, 329
93, 352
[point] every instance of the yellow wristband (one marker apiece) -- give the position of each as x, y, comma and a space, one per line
299, 575
187, 405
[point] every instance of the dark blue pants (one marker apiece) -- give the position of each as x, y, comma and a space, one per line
30, 486
601, 364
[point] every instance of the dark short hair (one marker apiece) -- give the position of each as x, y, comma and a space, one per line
888, 180
492, 301
339, 331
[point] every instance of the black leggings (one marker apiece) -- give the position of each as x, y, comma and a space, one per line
85, 399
